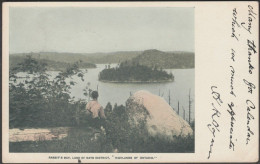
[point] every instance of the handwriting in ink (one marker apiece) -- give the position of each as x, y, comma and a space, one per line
251, 16
232, 122
250, 86
233, 54
214, 125
250, 117
216, 95
234, 24
232, 81
251, 49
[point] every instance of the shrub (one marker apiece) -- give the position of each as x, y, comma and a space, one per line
127, 136
41, 102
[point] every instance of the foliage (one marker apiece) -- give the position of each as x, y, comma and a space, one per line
128, 137
166, 60
134, 73
78, 140
51, 65
120, 134
150, 58
110, 57
38, 101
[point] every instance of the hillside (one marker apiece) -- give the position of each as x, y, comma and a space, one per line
165, 60
97, 58
51, 65
148, 58
115, 57
54, 56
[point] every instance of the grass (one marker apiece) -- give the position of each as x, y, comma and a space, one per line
78, 140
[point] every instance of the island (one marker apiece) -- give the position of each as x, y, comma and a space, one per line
134, 73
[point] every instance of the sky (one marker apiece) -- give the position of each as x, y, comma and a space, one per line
88, 29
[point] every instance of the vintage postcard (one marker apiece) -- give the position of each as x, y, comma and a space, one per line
130, 82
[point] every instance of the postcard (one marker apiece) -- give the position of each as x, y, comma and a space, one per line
130, 82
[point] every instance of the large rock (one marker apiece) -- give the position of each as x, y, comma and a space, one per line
161, 120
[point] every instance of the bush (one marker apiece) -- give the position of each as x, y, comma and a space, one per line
128, 137
78, 140
41, 102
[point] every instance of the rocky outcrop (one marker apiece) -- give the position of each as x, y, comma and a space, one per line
160, 118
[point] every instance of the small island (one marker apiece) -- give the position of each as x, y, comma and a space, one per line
134, 73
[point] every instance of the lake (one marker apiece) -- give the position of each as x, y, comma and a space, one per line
184, 80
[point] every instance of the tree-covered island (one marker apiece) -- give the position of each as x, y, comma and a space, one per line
134, 73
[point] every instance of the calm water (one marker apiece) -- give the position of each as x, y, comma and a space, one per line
120, 92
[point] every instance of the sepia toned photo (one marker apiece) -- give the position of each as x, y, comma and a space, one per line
101, 80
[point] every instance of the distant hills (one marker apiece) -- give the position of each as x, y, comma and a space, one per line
150, 58
51, 65
97, 58
115, 57
165, 60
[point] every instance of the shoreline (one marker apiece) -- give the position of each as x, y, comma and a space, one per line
160, 81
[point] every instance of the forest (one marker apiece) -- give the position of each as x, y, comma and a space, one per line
39, 102
150, 58
52, 65
165, 60
134, 72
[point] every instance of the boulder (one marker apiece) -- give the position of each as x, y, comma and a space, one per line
161, 120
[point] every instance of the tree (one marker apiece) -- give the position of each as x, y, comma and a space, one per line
39, 101
134, 72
